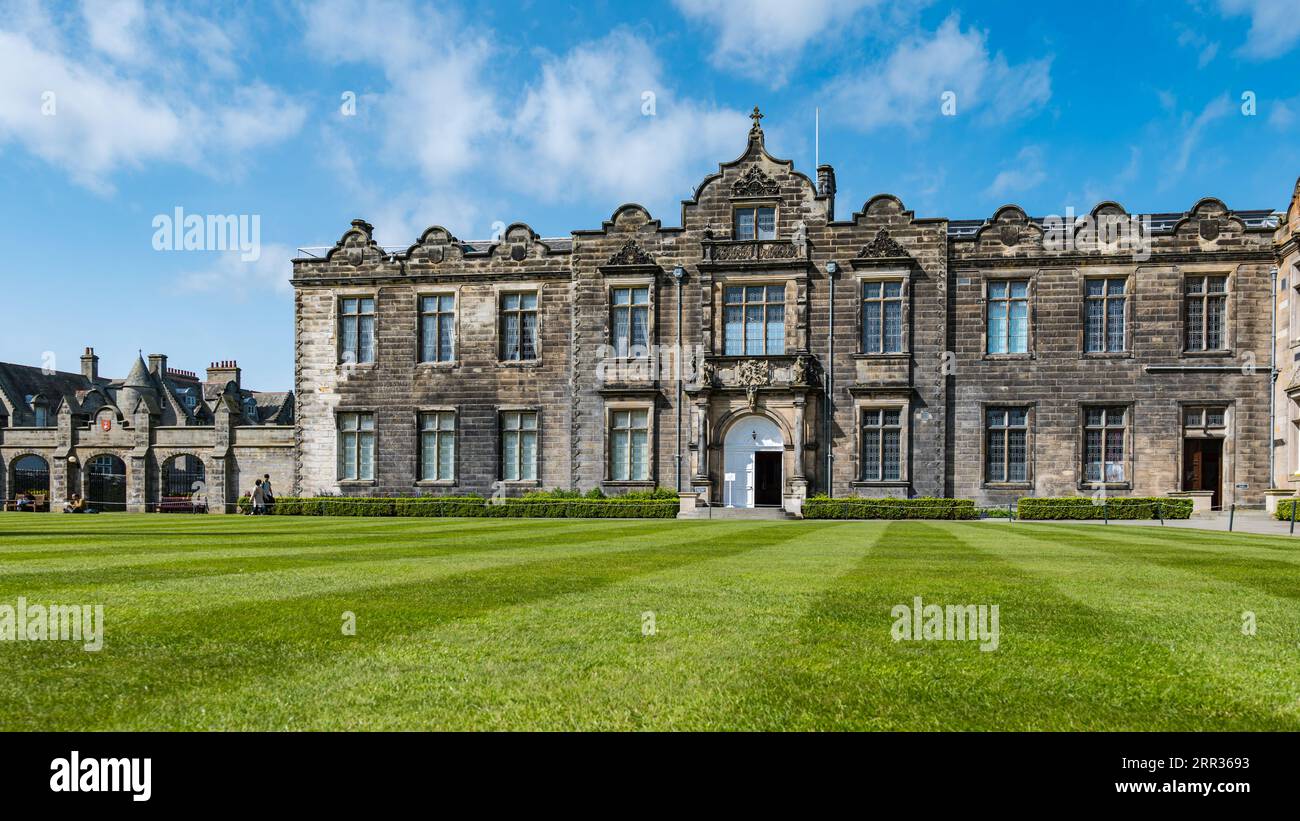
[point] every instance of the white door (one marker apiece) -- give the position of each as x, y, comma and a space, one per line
746, 436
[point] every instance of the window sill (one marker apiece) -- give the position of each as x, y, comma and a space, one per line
357, 483
455, 363
1105, 486
880, 483
521, 482
1106, 355
1007, 485
520, 363
901, 355
628, 482
435, 483
1218, 352
1008, 356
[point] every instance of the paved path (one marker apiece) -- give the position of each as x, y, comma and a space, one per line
1246, 521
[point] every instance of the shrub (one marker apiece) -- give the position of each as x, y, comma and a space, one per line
995, 512
1084, 507
1283, 511
557, 504
824, 507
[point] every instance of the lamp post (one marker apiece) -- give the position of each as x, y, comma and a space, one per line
679, 276
832, 270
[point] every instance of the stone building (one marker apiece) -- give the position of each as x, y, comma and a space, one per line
767, 349
1286, 391
158, 439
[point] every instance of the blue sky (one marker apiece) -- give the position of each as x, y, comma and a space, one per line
469, 115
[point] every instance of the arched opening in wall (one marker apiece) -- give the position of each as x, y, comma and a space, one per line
106, 485
184, 485
31, 474
752, 452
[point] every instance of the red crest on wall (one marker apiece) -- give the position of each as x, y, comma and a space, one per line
105, 424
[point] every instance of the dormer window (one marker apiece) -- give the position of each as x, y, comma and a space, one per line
42, 415
755, 222
250, 408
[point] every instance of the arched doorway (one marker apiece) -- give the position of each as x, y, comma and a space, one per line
183, 475
31, 475
752, 453
106, 485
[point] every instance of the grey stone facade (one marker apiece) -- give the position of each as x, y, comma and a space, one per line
812, 398
157, 439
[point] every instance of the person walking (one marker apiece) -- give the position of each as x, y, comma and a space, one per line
259, 499
268, 496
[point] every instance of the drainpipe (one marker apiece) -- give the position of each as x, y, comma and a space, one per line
832, 268
1272, 382
679, 276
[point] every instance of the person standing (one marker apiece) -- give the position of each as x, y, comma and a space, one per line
259, 499
268, 496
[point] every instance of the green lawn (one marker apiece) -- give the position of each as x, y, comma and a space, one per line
235, 623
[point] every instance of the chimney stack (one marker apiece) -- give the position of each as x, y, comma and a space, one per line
227, 370
158, 364
826, 188
90, 365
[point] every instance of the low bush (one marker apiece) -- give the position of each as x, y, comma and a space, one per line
1084, 507
1283, 511
556, 504
824, 507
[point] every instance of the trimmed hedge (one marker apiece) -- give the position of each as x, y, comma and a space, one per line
658, 504
1084, 507
1283, 512
824, 507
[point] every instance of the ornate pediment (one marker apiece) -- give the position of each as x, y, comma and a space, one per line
631, 254
882, 247
755, 184
752, 374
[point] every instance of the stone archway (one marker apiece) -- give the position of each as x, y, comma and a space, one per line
752, 462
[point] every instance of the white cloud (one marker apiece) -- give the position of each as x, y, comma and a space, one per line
96, 112
907, 87
761, 38
577, 130
581, 127
1273, 30
116, 28
232, 276
439, 108
1194, 129
1026, 174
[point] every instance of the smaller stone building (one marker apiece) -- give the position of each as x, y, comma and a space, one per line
158, 439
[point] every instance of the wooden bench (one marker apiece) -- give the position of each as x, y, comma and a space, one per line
180, 504
41, 505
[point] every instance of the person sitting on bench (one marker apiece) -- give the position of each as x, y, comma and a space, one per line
27, 502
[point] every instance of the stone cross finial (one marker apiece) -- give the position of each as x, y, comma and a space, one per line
756, 115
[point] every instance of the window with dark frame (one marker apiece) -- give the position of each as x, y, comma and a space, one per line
1207, 310
437, 328
1210, 420
518, 445
629, 445
1105, 318
438, 446
519, 326
356, 446
755, 222
754, 320
1008, 316
882, 316
1006, 448
882, 438
357, 328
1104, 433
630, 320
